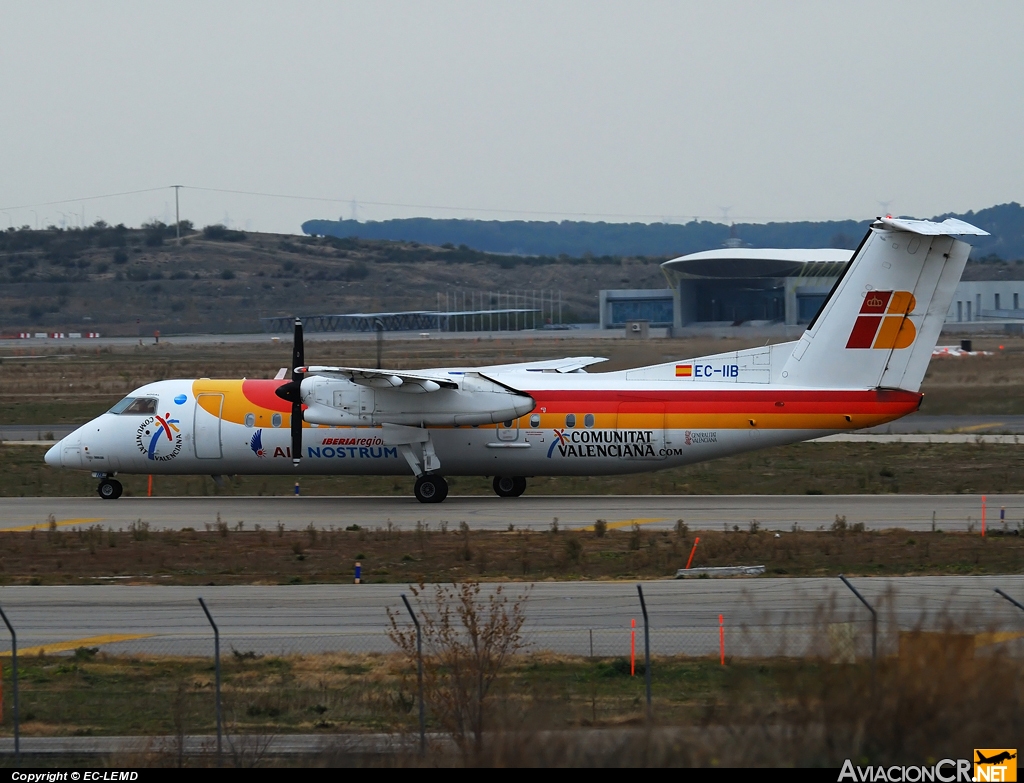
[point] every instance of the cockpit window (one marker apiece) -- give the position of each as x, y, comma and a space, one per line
119, 408
140, 406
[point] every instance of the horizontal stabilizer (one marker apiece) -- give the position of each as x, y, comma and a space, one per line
950, 227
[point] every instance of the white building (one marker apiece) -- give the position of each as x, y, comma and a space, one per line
763, 287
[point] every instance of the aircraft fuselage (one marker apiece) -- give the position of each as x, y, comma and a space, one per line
241, 427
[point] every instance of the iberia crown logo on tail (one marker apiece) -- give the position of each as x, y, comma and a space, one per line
883, 321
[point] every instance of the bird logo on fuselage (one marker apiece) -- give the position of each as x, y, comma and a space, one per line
256, 444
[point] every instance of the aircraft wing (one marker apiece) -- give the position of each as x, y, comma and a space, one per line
385, 379
567, 364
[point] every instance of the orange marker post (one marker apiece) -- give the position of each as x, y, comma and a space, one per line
693, 551
149, 486
721, 638
632, 650
983, 501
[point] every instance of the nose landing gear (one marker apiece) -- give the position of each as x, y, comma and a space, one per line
110, 489
509, 486
431, 488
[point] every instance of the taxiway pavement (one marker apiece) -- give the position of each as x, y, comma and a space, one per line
536, 512
564, 616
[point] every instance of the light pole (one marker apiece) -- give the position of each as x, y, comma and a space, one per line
177, 214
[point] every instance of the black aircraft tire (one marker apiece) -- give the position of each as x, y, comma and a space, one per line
509, 486
110, 489
431, 489
504, 486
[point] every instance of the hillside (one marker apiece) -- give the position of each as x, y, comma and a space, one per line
103, 278
1004, 222
121, 281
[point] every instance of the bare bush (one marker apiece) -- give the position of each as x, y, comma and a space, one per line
468, 638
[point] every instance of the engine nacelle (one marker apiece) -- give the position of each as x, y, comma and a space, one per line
477, 400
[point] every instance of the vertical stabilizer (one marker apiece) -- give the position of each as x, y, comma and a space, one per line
881, 322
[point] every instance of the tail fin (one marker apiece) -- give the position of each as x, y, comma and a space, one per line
880, 323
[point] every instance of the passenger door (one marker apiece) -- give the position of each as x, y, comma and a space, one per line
206, 426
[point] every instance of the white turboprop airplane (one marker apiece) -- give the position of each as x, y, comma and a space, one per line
860, 363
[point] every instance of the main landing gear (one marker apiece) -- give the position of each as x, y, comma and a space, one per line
431, 488
509, 486
110, 489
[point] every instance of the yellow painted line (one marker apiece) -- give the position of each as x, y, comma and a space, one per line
625, 523
974, 427
74, 644
46, 525
985, 639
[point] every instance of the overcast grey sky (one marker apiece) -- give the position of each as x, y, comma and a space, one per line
546, 110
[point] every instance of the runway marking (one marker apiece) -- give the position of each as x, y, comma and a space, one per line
974, 427
46, 525
625, 523
986, 639
74, 644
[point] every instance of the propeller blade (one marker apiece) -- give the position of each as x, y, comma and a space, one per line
296, 433
294, 392
298, 351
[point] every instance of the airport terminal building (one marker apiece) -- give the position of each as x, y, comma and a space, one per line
774, 288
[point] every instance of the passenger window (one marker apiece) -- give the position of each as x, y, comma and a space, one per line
535, 420
507, 424
143, 406
250, 419
276, 420
588, 420
570, 420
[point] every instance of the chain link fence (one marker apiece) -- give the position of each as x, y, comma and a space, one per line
129, 682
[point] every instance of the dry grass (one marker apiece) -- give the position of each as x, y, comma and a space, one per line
226, 556
79, 382
923, 704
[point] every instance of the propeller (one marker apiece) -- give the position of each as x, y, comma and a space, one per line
292, 392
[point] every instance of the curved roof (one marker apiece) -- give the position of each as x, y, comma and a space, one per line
745, 262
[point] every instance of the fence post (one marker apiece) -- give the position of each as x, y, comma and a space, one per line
1013, 601
216, 664
632, 647
647, 650
721, 638
14, 685
419, 676
874, 624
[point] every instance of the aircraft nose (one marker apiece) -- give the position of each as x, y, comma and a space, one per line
53, 455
